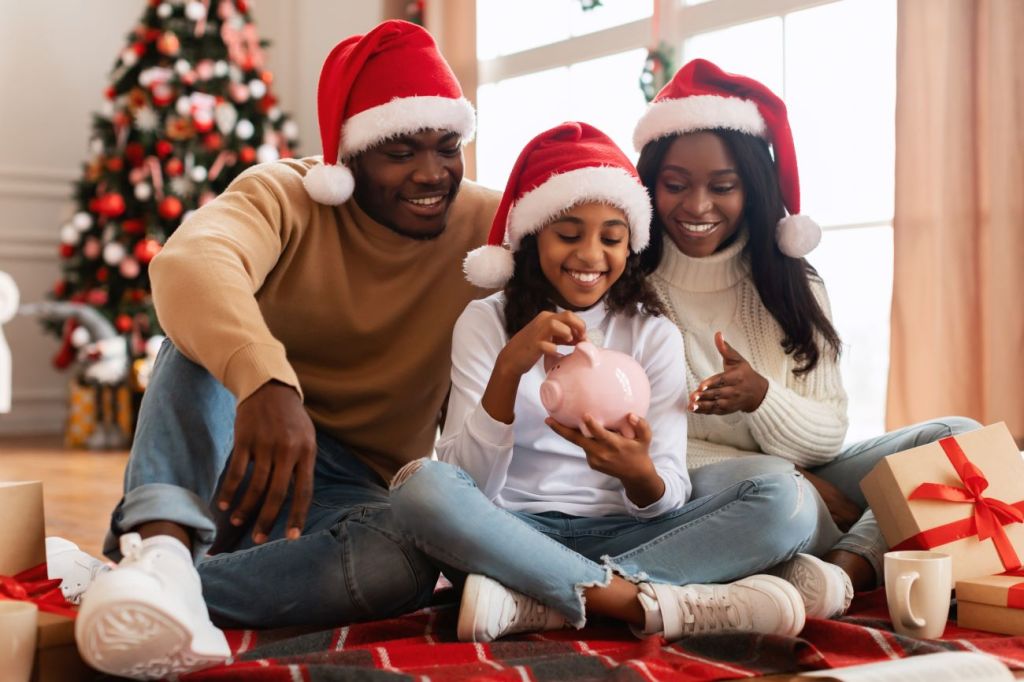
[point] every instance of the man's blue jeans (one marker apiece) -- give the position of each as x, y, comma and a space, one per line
845, 472
351, 562
552, 556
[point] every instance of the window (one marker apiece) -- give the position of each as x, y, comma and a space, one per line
546, 61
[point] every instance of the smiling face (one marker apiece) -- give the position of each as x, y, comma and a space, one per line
698, 194
583, 253
408, 183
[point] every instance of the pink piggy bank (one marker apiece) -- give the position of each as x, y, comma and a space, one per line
606, 384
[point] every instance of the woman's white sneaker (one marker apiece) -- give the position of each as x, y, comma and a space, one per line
75, 568
146, 618
826, 589
760, 603
490, 610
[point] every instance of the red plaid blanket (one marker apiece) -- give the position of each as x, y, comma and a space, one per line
422, 646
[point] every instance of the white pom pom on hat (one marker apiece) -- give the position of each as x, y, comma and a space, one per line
703, 97
570, 164
391, 81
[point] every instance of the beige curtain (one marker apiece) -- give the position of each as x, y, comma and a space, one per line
958, 291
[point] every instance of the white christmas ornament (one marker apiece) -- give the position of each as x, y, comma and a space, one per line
143, 191
266, 153
164, 10
146, 119
113, 253
80, 337
235, 74
220, 68
183, 106
69, 235
129, 58
182, 67
226, 116
82, 221
181, 186
290, 129
274, 113
195, 11
199, 173
96, 145
244, 129
257, 88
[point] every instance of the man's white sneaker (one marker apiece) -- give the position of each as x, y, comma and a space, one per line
490, 610
75, 568
760, 603
826, 589
146, 618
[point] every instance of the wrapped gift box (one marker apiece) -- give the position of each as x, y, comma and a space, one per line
23, 546
993, 603
963, 496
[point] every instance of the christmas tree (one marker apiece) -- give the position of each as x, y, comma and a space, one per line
188, 108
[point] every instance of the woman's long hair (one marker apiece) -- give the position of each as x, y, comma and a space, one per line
529, 292
783, 283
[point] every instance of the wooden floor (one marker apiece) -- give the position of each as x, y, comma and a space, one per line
80, 488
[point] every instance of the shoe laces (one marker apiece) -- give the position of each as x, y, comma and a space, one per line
708, 609
520, 613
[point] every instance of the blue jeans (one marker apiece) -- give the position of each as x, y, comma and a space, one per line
552, 556
351, 562
845, 472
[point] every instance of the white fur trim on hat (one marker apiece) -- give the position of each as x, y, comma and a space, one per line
797, 235
489, 267
404, 116
330, 185
699, 112
610, 184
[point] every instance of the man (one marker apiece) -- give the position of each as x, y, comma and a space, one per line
309, 310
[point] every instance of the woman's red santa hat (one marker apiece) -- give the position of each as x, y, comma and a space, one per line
571, 164
392, 81
703, 97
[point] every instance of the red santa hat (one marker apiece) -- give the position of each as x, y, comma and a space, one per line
391, 81
571, 164
703, 97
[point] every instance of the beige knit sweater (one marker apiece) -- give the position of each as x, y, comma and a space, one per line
263, 283
802, 419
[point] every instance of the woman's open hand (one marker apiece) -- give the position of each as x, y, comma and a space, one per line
738, 388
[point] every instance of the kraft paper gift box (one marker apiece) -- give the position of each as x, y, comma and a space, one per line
22, 547
993, 603
962, 495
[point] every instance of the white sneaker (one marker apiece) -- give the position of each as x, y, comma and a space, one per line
490, 610
826, 589
146, 618
75, 568
760, 603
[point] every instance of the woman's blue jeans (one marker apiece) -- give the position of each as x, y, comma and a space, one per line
845, 472
351, 562
551, 556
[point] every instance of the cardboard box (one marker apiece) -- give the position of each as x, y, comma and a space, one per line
944, 517
22, 546
993, 603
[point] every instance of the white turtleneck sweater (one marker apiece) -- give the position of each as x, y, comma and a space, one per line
802, 419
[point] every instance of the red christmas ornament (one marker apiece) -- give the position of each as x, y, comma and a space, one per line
151, 34
97, 297
110, 93
247, 154
267, 77
102, 275
60, 288
108, 205
123, 323
134, 153
174, 166
202, 124
115, 164
169, 209
138, 295
162, 94
133, 226
163, 148
139, 48
242, 6
212, 142
267, 103
168, 44
146, 250
78, 297
66, 250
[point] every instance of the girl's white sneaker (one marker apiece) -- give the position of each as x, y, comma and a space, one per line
826, 589
75, 568
490, 610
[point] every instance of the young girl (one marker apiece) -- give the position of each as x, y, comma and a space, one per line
761, 352
542, 517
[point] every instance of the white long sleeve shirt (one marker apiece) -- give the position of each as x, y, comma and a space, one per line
802, 419
525, 466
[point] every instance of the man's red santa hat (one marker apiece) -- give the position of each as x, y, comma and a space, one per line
703, 97
392, 81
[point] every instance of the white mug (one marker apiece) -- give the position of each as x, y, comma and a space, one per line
18, 622
917, 587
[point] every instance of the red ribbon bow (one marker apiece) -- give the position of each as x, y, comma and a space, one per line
33, 585
989, 514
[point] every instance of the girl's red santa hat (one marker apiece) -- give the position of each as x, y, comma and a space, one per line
392, 81
571, 164
703, 97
